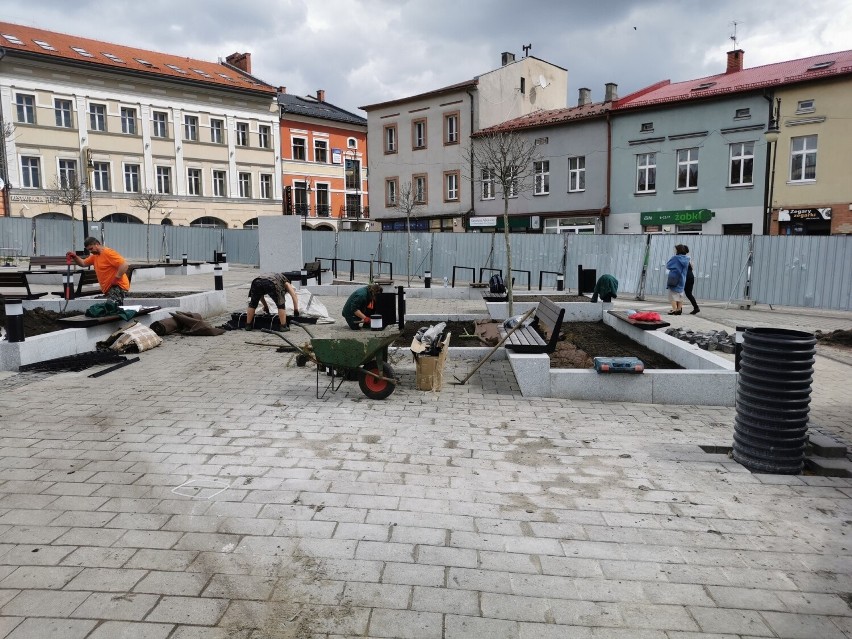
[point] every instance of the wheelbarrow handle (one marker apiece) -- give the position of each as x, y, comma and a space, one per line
310, 356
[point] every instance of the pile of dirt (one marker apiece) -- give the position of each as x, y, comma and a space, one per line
838, 338
38, 321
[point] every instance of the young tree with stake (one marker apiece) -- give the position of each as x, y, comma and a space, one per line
406, 200
148, 200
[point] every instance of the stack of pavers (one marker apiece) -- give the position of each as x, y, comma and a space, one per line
707, 340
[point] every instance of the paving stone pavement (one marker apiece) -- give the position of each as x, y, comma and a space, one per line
204, 492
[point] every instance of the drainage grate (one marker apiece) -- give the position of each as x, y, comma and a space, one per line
79, 362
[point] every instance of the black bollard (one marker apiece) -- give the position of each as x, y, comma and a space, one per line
68, 286
168, 259
217, 278
14, 320
427, 279
223, 257
560, 282
304, 275
400, 306
183, 257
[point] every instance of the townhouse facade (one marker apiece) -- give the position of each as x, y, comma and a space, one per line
421, 143
324, 163
107, 126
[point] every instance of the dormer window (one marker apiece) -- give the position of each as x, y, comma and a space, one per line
202, 73
144, 63
821, 65
805, 106
113, 57
647, 127
703, 86
82, 52
226, 76
12, 39
45, 45
174, 67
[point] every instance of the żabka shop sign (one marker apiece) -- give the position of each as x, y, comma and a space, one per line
658, 218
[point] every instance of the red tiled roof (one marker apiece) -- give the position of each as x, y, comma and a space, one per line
769, 75
60, 46
550, 117
448, 89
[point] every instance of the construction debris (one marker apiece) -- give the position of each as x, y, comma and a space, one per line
706, 340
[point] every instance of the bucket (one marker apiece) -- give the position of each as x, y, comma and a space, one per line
376, 322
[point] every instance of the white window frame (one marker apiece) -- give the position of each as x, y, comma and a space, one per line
687, 162
391, 191
97, 117
194, 181
451, 186
25, 108
799, 157
64, 116
219, 179
451, 128
321, 149
303, 147
160, 125
541, 169
102, 177
513, 183
740, 154
132, 172
577, 174
128, 120
244, 182
421, 195
418, 134
164, 179
217, 130
264, 136
487, 192
322, 198
67, 168
242, 133
190, 128
265, 186
31, 172
646, 165
390, 138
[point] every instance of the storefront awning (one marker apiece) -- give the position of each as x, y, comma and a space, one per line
658, 218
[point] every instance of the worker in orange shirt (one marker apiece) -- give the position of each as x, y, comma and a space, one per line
110, 269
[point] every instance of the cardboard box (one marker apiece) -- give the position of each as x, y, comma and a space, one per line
430, 368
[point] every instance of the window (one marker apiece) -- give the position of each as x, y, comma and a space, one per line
352, 170
542, 177
391, 189
576, 174
421, 188
266, 186
97, 117
646, 127
25, 106
68, 173
193, 181
245, 184
220, 182
217, 127
523, 86
131, 178
164, 179
487, 184
742, 163
390, 139
322, 201
451, 128
242, 133
646, 173
161, 124
418, 134
62, 110
513, 183
741, 114
263, 136
352, 143
803, 158
30, 172
805, 106
451, 186
128, 120
301, 205
82, 52
300, 149
190, 128
321, 151
100, 176
687, 168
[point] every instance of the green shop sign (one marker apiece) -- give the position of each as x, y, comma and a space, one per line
658, 218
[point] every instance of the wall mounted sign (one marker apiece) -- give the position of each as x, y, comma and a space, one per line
657, 218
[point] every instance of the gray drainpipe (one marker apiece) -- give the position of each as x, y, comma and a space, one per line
472, 181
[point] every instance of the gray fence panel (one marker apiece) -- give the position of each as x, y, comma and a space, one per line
804, 271
16, 237
56, 237
618, 255
319, 244
241, 245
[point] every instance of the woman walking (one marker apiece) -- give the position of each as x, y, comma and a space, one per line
690, 282
677, 265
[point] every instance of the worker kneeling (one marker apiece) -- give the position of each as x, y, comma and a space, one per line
357, 309
606, 287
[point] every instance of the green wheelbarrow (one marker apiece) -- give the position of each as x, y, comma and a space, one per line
363, 355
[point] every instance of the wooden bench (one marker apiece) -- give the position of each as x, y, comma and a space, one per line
17, 281
89, 285
547, 319
314, 270
44, 261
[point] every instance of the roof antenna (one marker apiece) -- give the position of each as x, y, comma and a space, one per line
526, 48
733, 36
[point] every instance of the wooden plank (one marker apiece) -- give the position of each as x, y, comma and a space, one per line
84, 321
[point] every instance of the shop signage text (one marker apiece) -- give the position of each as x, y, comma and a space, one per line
656, 218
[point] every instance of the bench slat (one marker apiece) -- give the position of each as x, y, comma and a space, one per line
548, 317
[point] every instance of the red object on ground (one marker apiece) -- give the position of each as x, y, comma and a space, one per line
647, 316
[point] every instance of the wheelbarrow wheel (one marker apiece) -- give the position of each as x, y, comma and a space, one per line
373, 387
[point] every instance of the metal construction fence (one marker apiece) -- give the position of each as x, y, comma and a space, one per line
803, 271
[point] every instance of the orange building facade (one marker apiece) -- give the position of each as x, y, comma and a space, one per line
324, 162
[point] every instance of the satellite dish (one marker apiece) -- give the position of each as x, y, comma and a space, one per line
542, 82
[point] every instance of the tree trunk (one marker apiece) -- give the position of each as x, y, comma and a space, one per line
408, 264
508, 280
148, 238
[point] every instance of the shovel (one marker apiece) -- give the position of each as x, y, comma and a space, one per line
462, 382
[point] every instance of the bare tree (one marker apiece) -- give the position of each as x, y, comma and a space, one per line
68, 191
148, 200
406, 201
505, 160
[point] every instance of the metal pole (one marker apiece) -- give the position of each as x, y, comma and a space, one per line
14, 320
217, 278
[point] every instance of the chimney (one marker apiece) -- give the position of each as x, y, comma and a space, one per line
320, 95
282, 89
240, 60
735, 61
610, 92
506, 58
585, 97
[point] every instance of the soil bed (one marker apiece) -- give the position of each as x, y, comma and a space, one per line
579, 343
38, 321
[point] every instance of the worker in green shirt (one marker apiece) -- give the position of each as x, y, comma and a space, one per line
606, 287
357, 309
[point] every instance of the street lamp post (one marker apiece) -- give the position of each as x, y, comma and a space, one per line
771, 136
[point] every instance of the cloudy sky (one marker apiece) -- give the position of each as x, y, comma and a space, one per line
367, 51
